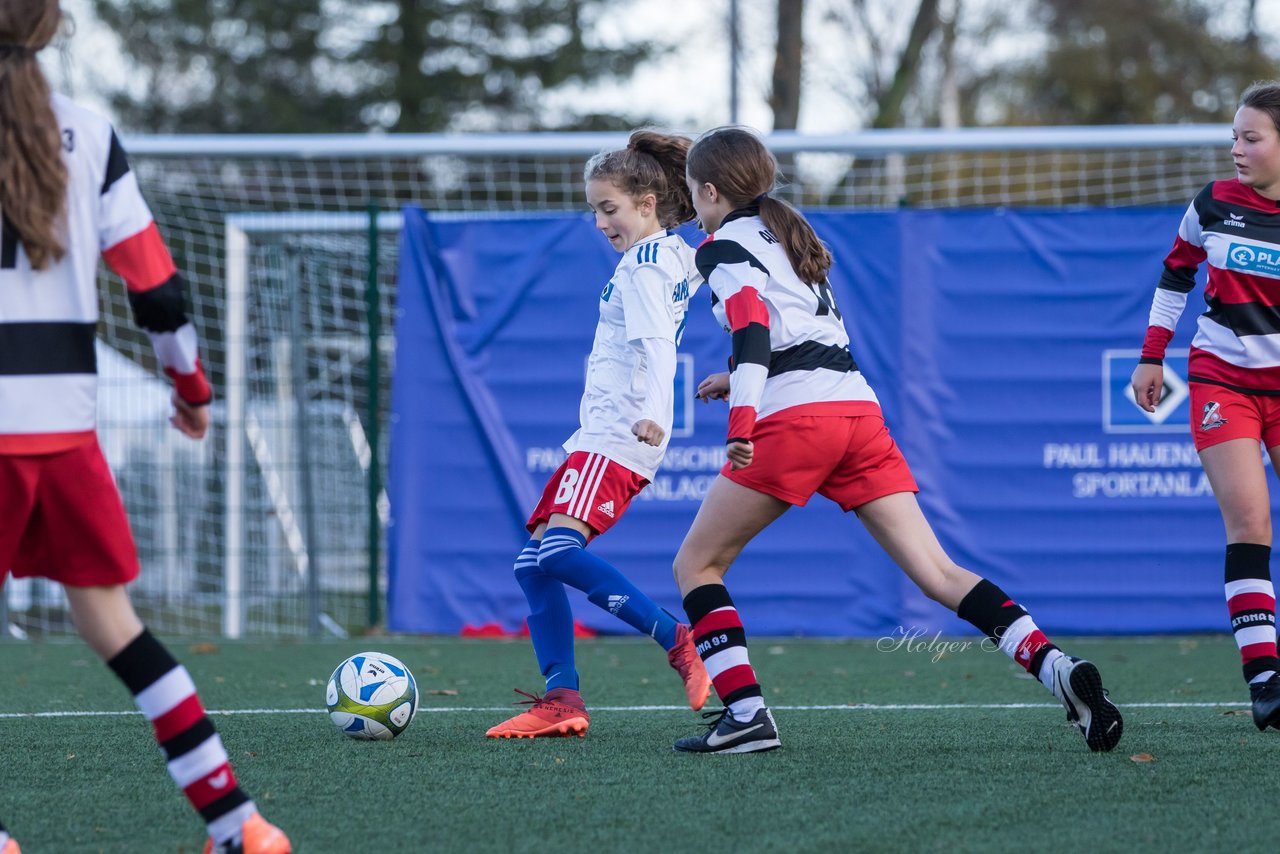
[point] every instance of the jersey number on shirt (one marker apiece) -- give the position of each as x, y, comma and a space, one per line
567, 485
826, 299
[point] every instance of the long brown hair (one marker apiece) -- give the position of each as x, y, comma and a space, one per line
744, 170
33, 178
652, 162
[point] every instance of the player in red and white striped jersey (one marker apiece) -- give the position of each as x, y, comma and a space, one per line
1234, 370
67, 195
802, 420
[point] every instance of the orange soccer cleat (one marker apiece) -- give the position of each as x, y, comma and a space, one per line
685, 660
560, 713
257, 836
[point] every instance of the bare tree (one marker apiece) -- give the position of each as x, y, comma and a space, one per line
784, 98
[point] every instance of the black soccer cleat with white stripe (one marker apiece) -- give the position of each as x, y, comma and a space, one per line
1265, 702
727, 734
1078, 685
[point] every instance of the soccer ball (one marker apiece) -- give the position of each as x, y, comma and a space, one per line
371, 695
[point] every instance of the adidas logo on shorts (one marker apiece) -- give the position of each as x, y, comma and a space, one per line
616, 602
606, 508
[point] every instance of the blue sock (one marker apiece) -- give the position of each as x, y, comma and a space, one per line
550, 620
563, 557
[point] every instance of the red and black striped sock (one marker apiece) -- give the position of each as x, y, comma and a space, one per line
722, 643
1007, 623
197, 761
1251, 601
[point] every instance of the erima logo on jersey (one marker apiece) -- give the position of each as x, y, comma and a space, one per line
606, 508
1234, 220
1253, 259
616, 602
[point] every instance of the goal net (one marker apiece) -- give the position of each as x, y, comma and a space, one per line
274, 524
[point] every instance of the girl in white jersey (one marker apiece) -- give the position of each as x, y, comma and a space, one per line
1234, 371
67, 196
636, 193
803, 420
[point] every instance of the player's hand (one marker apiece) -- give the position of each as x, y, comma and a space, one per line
1148, 386
190, 420
714, 387
648, 432
740, 454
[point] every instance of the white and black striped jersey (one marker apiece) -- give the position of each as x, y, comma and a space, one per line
1237, 340
646, 298
48, 318
790, 348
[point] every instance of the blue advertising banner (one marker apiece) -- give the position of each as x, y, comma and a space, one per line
1000, 343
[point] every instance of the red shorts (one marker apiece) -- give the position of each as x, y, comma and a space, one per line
591, 488
61, 518
1219, 415
850, 459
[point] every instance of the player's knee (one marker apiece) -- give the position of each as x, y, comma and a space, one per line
556, 554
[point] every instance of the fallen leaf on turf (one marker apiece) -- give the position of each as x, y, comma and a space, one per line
204, 648
1142, 757
444, 692
1238, 713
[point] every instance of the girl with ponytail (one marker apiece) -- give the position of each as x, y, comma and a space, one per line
637, 193
67, 196
803, 420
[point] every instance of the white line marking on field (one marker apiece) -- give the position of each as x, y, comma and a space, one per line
857, 707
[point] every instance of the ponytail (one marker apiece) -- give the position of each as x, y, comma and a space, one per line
737, 162
809, 256
33, 177
654, 163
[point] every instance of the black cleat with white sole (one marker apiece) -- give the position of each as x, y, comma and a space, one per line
1078, 685
1266, 703
726, 734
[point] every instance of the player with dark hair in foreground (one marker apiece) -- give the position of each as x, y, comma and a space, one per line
67, 196
802, 419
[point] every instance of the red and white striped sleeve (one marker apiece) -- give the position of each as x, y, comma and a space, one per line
738, 279
1176, 283
132, 247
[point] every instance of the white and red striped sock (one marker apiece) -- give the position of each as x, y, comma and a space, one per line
722, 643
196, 759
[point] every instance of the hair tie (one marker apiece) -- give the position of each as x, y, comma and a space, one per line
760, 198
18, 50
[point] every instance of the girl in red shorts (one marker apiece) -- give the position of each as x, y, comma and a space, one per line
1234, 370
637, 193
802, 420
67, 195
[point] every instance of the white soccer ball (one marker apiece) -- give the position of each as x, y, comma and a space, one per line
371, 695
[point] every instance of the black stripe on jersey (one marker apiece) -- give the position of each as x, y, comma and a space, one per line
1264, 392
162, 308
1182, 280
117, 164
47, 348
751, 345
810, 356
188, 740
9, 241
713, 253
1248, 318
